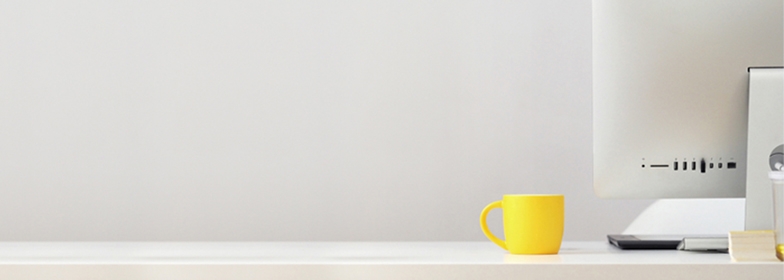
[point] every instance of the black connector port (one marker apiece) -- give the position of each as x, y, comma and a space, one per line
702, 166
731, 165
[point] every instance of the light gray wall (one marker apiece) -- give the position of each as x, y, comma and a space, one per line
293, 120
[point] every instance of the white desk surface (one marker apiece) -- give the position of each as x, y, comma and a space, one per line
360, 260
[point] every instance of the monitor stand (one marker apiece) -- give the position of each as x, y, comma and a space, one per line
765, 134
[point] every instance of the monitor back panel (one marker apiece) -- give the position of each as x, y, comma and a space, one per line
670, 94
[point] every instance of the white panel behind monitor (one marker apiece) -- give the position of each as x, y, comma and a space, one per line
670, 86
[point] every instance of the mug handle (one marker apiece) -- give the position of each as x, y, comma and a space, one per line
483, 222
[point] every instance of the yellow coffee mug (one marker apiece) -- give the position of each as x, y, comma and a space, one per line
533, 224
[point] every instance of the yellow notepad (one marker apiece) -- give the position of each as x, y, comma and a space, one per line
754, 246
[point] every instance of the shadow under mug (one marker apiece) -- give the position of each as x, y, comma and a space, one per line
533, 224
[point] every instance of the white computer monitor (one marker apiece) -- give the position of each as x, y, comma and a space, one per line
670, 93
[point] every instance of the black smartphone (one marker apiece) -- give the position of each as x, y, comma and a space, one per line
643, 242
